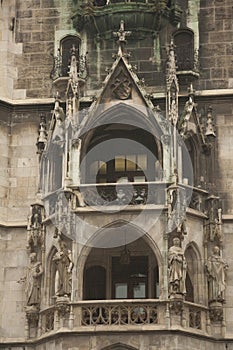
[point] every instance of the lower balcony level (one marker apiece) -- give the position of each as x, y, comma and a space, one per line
124, 315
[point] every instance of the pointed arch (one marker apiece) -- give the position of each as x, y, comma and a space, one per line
119, 346
194, 280
66, 44
50, 275
122, 141
154, 263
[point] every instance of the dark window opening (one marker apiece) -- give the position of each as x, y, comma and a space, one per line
156, 282
184, 49
189, 167
130, 281
100, 2
189, 289
95, 283
66, 45
122, 156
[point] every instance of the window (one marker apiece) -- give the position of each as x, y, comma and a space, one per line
65, 50
122, 168
184, 49
130, 281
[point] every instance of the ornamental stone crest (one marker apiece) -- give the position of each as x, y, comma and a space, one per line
122, 87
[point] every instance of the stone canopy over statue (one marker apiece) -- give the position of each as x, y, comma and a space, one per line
177, 267
216, 269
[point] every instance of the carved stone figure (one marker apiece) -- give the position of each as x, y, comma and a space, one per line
35, 227
216, 269
177, 268
64, 265
33, 281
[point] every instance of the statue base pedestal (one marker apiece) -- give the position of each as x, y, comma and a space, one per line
32, 318
216, 311
62, 310
177, 296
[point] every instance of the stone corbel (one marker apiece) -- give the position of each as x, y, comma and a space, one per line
32, 319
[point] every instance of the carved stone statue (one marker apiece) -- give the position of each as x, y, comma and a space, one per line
176, 268
33, 281
216, 270
64, 266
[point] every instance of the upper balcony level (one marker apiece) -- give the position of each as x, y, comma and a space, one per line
104, 16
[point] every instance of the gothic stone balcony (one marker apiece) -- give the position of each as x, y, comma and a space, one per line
127, 195
103, 17
138, 314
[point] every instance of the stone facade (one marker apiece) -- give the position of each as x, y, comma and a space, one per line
93, 259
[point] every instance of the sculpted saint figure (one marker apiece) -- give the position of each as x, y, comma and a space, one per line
33, 280
176, 268
216, 270
64, 266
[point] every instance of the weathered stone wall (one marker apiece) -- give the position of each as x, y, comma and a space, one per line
12, 301
23, 165
30, 46
216, 48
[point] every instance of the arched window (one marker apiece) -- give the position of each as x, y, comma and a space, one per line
122, 154
184, 49
66, 45
193, 277
189, 162
51, 276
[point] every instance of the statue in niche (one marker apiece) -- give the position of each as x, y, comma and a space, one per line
216, 270
177, 267
35, 228
64, 266
33, 280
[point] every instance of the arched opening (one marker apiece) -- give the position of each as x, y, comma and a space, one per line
66, 45
189, 162
184, 49
193, 278
121, 153
130, 271
119, 346
51, 168
51, 275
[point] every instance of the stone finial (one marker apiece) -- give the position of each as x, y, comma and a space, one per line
121, 34
172, 86
171, 60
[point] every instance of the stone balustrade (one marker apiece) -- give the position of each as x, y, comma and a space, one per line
109, 314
